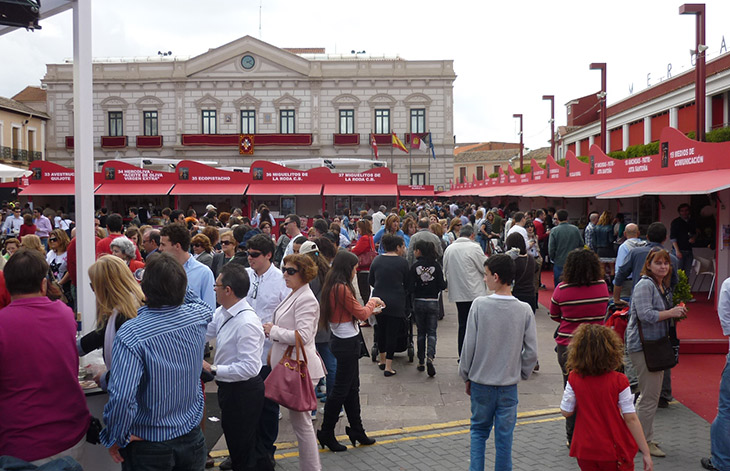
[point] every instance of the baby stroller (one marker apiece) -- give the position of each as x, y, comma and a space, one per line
404, 341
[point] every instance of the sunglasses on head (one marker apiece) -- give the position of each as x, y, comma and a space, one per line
290, 271
253, 254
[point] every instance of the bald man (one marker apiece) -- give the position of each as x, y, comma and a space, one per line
632, 241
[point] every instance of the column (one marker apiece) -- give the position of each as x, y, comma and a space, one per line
674, 117
726, 109
625, 136
708, 114
647, 130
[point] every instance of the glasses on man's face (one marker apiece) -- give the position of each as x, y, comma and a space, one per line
226, 242
290, 271
218, 285
253, 254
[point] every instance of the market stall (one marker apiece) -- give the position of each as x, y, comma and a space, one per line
198, 185
124, 186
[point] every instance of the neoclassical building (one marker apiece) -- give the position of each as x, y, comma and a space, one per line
298, 104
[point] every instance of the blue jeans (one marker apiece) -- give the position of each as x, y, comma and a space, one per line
426, 314
492, 405
184, 453
720, 431
557, 273
330, 364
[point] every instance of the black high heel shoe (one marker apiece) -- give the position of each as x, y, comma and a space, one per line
327, 439
358, 436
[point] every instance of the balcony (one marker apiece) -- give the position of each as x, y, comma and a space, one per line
113, 142
5, 153
232, 140
20, 155
346, 139
384, 139
149, 142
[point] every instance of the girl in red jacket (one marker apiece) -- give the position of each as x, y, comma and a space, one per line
607, 429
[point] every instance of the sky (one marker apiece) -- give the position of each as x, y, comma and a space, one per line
506, 55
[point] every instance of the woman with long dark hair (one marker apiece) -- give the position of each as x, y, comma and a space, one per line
339, 306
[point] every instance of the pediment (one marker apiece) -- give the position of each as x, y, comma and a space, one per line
115, 102
346, 99
208, 101
247, 101
287, 100
149, 102
224, 62
416, 99
382, 99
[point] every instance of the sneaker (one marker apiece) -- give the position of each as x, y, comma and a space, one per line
707, 464
226, 464
421, 367
654, 450
431, 369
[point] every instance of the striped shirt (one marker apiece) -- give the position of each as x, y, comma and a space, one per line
573, 305
154, 386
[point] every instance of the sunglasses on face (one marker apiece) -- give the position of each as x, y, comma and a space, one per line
226, 242
197, 245
52, 239
290, 271
254, 254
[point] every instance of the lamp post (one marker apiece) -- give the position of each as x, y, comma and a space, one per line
551, 98
602, 96
519, 115
698, 9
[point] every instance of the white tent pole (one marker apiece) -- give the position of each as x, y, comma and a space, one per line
84, 160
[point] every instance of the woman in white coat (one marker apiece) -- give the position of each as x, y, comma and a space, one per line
299, 312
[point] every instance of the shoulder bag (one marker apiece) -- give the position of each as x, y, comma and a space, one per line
365, 259
289, 383
658, 354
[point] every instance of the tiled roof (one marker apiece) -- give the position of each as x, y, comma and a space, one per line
465, 147
31, 94
487, 155
537, 154
12, 105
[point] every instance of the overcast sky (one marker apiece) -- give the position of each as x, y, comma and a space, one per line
507, 55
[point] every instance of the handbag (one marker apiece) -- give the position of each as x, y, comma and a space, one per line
365, 259
659, 354
289, 383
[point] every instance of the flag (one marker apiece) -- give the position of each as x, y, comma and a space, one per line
374, 145
398, 144
417, 143
428, 141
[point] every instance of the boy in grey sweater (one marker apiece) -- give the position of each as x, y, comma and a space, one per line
500, 347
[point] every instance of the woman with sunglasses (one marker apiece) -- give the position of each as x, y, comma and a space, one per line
118, 296
202, 250
453, 233
56, 257
653, 312
342, 311
299, 312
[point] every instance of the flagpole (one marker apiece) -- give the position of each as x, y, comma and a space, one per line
391, 154
410, 162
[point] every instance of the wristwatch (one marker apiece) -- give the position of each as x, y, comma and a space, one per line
213, 370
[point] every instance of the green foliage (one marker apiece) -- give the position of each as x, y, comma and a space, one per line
493, 175
584, 158
718, 135
560, 162
642, 150
618, 154
525, 169
692, 135
542, 165
682, 293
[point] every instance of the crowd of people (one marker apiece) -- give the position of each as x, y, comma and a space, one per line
262, 292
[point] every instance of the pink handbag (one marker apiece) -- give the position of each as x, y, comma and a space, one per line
289, 383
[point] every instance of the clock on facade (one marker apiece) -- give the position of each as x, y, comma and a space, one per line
247, 62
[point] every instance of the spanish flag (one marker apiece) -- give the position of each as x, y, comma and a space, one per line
398, 144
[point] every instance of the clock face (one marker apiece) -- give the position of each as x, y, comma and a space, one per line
247, 62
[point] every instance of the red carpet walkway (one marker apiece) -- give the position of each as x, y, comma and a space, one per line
696, 379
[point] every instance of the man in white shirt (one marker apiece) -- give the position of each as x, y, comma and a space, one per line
291, 225
239, 344
13, 223
268, 290
378, 218
43, 226
519, 226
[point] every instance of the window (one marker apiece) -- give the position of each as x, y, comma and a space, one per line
150, 123
115, 123
418, 179
210, 124
480, 172
418, 120
462, 174
248, 121
382, 121
286, 121
496, 168
347, 121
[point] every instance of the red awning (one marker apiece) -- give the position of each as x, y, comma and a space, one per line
216, 188
51, 189
359, 189
421, 191
695, 183
141, 188
284, 188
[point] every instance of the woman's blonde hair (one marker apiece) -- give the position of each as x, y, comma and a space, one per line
454, 222
62, 240
605, 219
115, 288
389, 222
32, 241
437, 229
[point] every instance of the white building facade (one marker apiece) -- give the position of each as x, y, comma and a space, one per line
298, 104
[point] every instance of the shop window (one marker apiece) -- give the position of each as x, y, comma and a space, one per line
286, 122
382, 121
347, 121
418, 179
248, 121
150, 123
210, 122
418, 120
116, 127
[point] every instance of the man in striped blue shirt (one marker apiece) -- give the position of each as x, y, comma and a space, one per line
155, 397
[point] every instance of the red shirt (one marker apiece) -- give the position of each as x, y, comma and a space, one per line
540, 231
600, 433
364, 243
42, 406
104, 246
573, 305
25, 229
346, 306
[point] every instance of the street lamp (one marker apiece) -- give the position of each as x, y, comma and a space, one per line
519, 115
698, 9
551, 98
602, 96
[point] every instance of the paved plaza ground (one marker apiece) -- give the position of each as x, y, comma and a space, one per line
422, 423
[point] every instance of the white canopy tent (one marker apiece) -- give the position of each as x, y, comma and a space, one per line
8, 171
